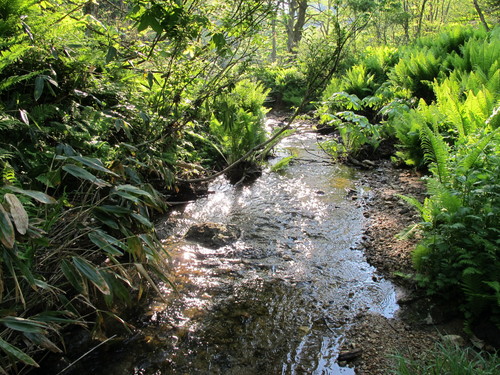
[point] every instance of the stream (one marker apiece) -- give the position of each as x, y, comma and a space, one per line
277, 299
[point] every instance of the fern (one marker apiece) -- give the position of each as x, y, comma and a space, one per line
9, 123
8, 174
14, 80
482, 54
414, 202
12, 55
436, 151
474, 151
40, 113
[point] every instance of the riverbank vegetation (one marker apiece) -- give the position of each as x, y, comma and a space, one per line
438, 100
108, 109
448, 358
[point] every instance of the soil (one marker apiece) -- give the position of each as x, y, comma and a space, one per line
420, 322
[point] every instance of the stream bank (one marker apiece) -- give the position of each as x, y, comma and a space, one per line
421, 322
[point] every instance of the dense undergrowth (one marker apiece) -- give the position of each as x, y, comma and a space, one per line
440, 100
100, 113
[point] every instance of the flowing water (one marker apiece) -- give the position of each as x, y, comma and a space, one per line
279, 298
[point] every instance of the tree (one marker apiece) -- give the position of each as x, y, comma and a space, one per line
295, 18
481, 15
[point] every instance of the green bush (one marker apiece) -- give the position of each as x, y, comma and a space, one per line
238, 119
362, 90
287, 85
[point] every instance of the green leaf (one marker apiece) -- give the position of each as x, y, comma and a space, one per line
134, 190
51, 178
127, 196
16, 353
120, 124
141, 219
23, 325
37, 195
93, 163
7, 235
115, 210
72, 275
219, 41
135, 246
19, 263
151, 79
42, 341
106, 220
92, 274
39, 85
106, 242
18, 213
55, 317
79, 172
111, 55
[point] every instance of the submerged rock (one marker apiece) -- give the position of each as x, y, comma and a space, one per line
213, 235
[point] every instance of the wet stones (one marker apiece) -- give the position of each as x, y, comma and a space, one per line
213, 235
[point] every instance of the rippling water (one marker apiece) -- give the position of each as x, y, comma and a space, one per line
277, 300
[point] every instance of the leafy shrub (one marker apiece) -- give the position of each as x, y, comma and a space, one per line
287, 85
379, 61
416, 72
458, 259
361, 90
238, 119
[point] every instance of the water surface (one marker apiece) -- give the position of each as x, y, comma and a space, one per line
277, 300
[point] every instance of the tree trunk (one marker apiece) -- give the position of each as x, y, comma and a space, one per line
299, 24
273, 36
295, 23
420, 18
292, 7
481, 15
406, 22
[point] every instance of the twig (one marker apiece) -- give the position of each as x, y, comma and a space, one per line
85, 354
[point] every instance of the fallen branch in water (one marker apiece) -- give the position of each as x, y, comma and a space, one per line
350, 355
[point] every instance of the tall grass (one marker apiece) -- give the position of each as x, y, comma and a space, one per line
446, 359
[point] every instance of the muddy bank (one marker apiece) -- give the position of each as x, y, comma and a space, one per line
420, 322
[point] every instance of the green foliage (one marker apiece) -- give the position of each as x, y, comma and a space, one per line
355, 132
458, 259
441, 101
287, 85
416, 72
362, 92
238, 119
282, 164
89, 111
379, 61
446, 358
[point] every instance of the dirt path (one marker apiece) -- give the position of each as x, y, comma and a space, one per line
418, 325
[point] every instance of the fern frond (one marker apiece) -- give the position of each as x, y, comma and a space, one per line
412, 201
475, 150
13, 80
8, 175
8, 122
436, 151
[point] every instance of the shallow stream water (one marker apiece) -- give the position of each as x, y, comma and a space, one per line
279, 298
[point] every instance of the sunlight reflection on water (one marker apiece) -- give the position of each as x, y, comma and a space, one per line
277, 299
